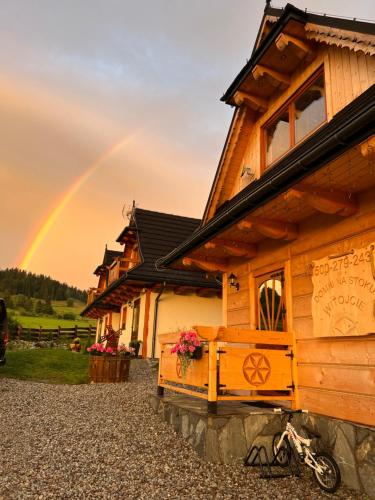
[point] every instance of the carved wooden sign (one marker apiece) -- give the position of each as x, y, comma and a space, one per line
343, 301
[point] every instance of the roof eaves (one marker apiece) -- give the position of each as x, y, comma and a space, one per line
352, 125
290, 12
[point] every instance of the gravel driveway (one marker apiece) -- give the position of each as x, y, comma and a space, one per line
104, 441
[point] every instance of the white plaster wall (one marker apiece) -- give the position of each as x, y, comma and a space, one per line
126, 333
178, 312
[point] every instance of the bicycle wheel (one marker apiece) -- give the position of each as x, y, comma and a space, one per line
330, 480
282, 456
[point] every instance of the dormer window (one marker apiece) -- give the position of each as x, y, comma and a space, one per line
301, 115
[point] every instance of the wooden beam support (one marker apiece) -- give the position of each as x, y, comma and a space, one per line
301, 48
252, 101
326, 201
183, 290
274, 229
209, 265
207, 292
279, 78
368, 148
233, 248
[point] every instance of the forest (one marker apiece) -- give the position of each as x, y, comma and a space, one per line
17, 282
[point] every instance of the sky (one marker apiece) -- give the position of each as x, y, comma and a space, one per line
103, 102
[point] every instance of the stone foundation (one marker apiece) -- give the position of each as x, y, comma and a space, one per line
226, 437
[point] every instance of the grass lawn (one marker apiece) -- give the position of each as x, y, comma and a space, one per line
46, 322
55, 366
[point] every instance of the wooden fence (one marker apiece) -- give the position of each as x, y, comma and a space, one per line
57, 334
237, 364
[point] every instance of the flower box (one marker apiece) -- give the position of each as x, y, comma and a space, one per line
104, 369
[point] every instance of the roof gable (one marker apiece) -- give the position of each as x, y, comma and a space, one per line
278, 28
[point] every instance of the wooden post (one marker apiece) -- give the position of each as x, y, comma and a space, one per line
145, 323
160, 389
212, 377
289, 321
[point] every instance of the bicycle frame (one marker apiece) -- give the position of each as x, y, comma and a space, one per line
302, 446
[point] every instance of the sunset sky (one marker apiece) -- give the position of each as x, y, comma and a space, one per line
106, 101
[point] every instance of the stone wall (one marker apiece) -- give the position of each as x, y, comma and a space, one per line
226, 437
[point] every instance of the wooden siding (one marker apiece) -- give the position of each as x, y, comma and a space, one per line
347, 75
336, 376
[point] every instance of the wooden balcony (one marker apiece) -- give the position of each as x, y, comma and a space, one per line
236, 365
92, 294
117, 269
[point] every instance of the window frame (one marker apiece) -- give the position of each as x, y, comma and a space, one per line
290, 107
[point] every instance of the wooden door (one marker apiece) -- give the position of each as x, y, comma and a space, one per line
135, 322
271, 301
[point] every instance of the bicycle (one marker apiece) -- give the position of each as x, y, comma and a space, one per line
326, 472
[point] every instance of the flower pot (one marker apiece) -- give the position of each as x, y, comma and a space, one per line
198, 353
104, 369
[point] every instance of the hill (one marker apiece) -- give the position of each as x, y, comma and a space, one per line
17, 282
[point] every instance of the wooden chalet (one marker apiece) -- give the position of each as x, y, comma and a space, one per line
136, 299
290, 225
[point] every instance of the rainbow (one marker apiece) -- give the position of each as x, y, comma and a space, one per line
41, 233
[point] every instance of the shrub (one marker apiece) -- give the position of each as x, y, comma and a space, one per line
71, 316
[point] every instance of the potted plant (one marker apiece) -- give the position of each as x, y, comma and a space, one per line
108, 364
189, 347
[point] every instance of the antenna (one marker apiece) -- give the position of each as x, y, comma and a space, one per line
127, 210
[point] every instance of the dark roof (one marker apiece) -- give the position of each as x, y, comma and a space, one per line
351, 126
285, 15
158, 234
108, 258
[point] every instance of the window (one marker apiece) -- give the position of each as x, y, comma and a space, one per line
271, 308
302, 115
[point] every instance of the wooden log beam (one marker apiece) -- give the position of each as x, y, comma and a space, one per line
252, 101
278, 230
368, 148
326, 201
279, 78
183, 290
209, 265
233, 248
207, 292
301, 48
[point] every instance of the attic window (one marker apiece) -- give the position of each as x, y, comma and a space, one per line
302, 114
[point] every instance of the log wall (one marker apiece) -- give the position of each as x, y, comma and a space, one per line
336, 375
347, 75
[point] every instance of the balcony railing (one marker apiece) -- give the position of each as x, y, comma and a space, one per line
117, 270
237, 364
92, 294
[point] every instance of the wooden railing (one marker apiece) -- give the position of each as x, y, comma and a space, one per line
237, 364
117, 269
59, 334
92, 294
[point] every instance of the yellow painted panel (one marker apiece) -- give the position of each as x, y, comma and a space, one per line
196, 375
260, 369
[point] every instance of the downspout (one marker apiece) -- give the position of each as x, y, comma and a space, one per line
156, 319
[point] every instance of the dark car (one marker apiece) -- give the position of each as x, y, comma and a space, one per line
3, 331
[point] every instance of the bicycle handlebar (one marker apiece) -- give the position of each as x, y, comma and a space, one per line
288, 411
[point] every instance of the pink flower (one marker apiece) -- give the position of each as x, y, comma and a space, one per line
182, 349
191, 348
196, 342
109, 350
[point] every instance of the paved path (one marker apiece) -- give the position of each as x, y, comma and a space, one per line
104, 442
